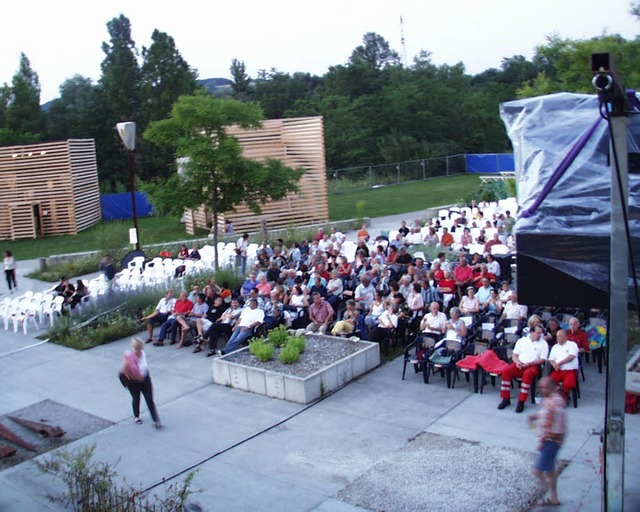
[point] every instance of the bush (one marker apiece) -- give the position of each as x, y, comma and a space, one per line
298, 342
69, 268
289, 354
293, 234
262, 349
99, 331
229, 275
115, 318
221, 276
493, 191
202, 278
94, 485
278, 336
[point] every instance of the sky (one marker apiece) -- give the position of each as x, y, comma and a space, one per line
64, 38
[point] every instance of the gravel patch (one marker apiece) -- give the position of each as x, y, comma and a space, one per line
75, 423
321, 351
434, 472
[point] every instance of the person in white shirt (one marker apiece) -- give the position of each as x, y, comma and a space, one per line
513, 310
493, 266
340, 237
505, 292
250, 318
387, 321
469, 304
528, 354
9, 264
434, 321
160, 314
241, 252
565, 363
444, 262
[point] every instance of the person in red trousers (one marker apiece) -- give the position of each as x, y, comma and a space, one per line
528, 354
565, 363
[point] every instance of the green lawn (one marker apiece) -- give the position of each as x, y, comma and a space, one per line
374, 203
409, 197
104, 237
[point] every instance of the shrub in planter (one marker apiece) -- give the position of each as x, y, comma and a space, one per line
262, 349
278, 336
289, 354
298, 342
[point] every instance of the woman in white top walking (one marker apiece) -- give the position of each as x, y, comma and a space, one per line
136, 369
10, 270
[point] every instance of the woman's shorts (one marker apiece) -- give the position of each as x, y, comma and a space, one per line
547, 459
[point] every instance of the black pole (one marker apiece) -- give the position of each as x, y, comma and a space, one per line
132, 186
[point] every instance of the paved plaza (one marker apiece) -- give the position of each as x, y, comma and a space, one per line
380, 443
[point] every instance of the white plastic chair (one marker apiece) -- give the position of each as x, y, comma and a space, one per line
21, 313
476, 248
5, 312
152, 263
499, 249
136, 263
52, 307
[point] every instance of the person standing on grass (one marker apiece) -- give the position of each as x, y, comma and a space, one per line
552, 427
135, 367
9, 263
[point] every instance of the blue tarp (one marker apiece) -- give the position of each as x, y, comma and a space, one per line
490, 163
118, 206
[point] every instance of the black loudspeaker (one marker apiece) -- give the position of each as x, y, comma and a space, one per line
566, 271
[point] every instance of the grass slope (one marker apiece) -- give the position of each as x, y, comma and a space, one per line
103, 237
374, 203
402, 198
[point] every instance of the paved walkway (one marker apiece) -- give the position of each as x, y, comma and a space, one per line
257, 453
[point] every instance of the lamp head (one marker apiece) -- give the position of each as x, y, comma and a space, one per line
127, 132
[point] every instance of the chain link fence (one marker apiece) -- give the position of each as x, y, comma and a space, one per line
351, 179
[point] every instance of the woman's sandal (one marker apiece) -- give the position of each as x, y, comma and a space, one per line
197, 349
211, 353
138, 421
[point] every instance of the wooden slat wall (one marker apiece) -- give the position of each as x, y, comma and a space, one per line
43, 174
298, 142
86, 191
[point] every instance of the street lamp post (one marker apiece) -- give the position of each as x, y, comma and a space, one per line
127, 133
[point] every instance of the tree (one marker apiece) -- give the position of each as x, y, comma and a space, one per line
240, 81
118, 96
70, 116
23, 113
375, 52
164, 77
215, 173
120, 74
564, 63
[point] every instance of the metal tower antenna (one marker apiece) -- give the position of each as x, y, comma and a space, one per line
404, 46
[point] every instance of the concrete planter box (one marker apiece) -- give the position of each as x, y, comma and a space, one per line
302, 390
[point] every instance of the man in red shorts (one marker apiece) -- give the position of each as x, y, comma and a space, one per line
528, 354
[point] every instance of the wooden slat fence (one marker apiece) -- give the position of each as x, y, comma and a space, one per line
297, 142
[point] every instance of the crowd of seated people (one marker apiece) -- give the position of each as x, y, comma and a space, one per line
377, 290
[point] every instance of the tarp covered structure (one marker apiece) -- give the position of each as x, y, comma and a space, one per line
118, 206
561, 150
